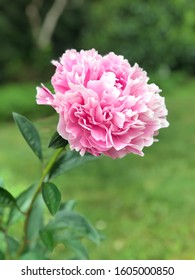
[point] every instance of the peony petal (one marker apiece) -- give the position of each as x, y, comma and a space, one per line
105, 105
44, 96
119, 119
98, 133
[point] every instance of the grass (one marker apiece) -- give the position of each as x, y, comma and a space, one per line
144, 206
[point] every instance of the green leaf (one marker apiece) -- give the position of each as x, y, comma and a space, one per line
48, 239
78, 248
23, 201
57, 141
68, 161
3, 244
6, 199
29, 133
12, 244
2, 211
35, 222
51, 196
38, 252
66, 226
33, 255
68, 205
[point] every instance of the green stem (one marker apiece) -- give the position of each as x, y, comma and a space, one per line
50, 164
44, 178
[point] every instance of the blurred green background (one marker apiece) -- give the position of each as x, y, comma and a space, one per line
144, 206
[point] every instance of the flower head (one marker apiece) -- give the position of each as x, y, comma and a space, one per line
105, 105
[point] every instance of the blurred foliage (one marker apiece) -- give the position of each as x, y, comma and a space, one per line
152, 33
16, 40
156, 34
17, 97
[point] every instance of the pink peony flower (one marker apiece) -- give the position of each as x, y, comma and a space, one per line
105, 105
